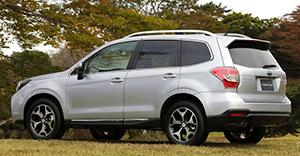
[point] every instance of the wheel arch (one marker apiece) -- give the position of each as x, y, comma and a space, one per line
34, 98
181, 97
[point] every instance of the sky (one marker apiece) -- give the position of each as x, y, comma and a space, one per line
261, 8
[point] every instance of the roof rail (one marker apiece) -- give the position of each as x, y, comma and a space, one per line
233, 35
179, 32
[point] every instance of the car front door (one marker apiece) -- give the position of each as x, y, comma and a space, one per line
99, 95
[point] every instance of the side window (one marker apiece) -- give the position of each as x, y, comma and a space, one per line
194, 52
157, 54
115, 57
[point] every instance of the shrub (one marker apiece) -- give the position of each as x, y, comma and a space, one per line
293, 123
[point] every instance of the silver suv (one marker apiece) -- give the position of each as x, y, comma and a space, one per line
184, 82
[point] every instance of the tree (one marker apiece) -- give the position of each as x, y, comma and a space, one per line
80, 24
159, 8
19, 67
188, 14
206, 17
287, 63
65, 57
7, 87
31, 63
285, 36
248, 25
218, 8
293, 124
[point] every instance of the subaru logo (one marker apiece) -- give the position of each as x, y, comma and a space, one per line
269, 73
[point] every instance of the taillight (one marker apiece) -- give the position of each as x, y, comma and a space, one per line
229, 76
285, 80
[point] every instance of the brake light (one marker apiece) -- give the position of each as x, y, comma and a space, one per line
229, 76
238, 114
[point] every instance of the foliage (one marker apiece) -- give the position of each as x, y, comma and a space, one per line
285, 36
218, 8
8, 83
287, 63
159, 8
206, 17
79, 24
8, 130
88, 24
188, 14
31, 63
285, 40
19, 67
210, 16
293, 123
65, 57
248, 25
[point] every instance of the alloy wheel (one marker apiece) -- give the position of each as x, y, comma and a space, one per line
42, 120
183, 124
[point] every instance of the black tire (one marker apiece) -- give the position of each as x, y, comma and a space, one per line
44, 120
248, 135
190, 129
108, 134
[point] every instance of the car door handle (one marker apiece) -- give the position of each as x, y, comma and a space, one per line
116, 80
169, 76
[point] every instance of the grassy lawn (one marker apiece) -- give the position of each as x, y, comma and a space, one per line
215, 145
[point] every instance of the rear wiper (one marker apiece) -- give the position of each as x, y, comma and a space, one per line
269, 65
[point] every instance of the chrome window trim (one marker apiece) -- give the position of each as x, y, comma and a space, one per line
96, 120
108, 120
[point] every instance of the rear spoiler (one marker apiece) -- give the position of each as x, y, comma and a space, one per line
230, 42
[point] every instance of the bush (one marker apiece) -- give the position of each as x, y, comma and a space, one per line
293, 123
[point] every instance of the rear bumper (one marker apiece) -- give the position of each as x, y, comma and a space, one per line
244, 117
217, 103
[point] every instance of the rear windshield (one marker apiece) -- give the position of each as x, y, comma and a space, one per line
251, 54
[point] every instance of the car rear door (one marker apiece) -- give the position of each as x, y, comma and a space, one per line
155, 74
261, 78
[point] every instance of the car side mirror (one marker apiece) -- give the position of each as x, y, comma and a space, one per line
80, 70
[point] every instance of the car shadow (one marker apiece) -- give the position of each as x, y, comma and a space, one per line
235, 145
206, 144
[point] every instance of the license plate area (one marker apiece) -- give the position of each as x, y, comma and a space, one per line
267, 85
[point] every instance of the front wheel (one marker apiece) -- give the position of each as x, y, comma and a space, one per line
44, 120
109, 134
248, 135
184, 124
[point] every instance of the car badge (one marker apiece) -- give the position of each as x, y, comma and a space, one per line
269, 73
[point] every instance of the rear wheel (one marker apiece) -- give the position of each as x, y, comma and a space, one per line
248, 135
110, 134
184, 124
44, 121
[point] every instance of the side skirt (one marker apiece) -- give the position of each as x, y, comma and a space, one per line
152, 123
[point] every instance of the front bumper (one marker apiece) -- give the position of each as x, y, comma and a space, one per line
244, 117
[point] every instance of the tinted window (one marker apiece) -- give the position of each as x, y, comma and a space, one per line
251, 54
115, 57
157, 54
194, 52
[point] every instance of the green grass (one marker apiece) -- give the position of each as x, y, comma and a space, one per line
215, 145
